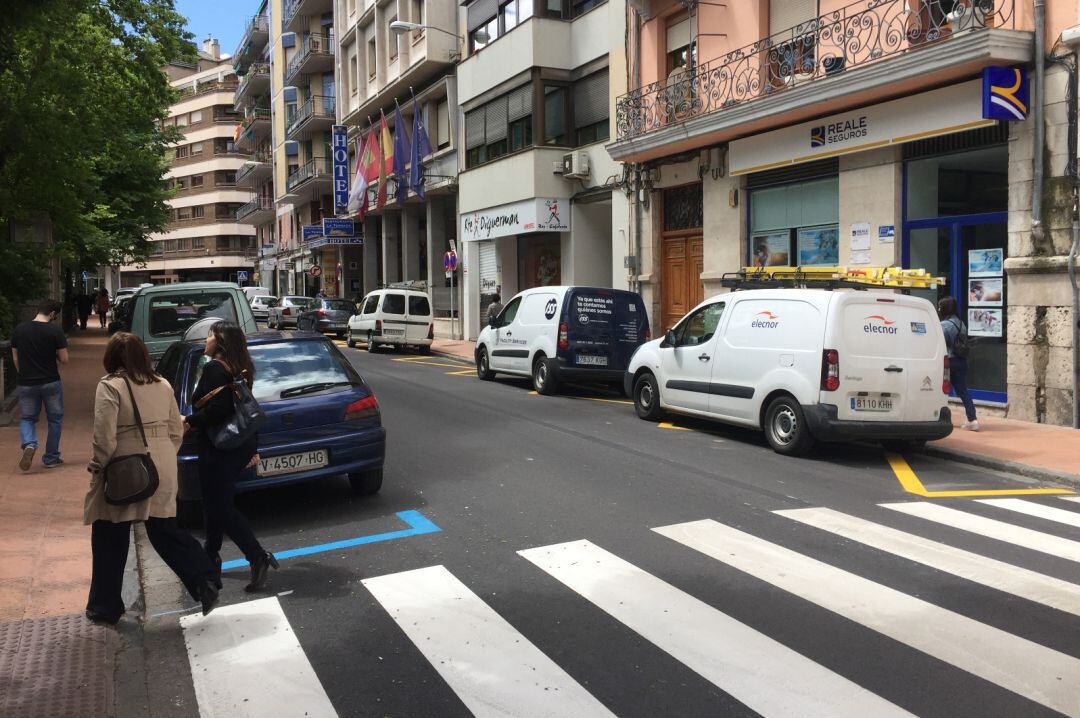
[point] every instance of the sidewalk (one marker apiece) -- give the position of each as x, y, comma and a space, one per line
454, 349
52, 660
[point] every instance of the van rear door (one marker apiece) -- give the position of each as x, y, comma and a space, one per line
891, 351
604, 328
419, 317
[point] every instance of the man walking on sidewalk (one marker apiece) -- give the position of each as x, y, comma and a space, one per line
36, 348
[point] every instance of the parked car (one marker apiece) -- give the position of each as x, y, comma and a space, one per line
159, 315
803, 365
260, 306
322, 417
399, 317
556, 334
327, 315
286, 310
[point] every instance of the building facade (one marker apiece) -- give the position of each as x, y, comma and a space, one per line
203, 241
784, 132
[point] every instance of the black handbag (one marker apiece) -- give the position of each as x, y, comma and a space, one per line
247, 417
132, 478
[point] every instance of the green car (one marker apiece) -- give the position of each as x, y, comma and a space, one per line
160, 315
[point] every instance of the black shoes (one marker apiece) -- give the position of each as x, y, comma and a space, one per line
208, 597
259, 568
215, 576
101, 618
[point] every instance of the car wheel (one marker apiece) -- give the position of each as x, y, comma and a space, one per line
350, 341
483, 366
424, 349
366, 483
189, 514
545, 376
785, 427
340, 335
647, 398
371, 343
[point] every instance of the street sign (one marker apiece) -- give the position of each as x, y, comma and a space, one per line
241, 275
85, 275
315, 270
309, 232
453, 246
450, 261
335, 227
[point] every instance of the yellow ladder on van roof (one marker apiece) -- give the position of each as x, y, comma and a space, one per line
888, 277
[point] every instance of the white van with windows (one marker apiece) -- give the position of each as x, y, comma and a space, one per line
804, 365
394, 316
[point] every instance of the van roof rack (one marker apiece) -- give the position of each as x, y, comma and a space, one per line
830, 278
417, 285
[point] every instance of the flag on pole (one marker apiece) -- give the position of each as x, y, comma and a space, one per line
401, 156
365, 167
386, 166
421, 148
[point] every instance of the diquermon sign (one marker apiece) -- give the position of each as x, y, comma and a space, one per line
939, 112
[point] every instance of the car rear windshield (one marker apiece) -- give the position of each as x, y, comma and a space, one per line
394, 304
418, 306
338, 305
299, 301
288, 365
172, 314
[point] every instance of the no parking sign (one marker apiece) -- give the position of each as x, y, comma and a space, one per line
450, 262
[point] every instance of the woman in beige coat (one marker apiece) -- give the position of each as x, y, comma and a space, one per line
116, 434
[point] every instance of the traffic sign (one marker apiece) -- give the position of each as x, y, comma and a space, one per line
450, 261
315, 270
241, 275
85, 275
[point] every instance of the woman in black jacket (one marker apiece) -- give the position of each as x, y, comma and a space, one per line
219, 470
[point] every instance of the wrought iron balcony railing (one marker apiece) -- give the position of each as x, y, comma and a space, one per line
858, 34
249, 208
313, 169
313, 45
316, 106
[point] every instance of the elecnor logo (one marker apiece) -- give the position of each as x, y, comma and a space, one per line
771, 321
885, 327
841, 131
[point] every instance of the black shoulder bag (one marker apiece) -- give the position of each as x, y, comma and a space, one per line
247, 417
132, 478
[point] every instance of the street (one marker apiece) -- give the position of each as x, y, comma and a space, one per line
571, 559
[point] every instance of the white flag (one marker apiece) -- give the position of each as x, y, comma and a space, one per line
358, 194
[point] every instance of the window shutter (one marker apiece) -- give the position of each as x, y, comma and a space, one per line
678, 34
474, 128
786, 14
442, 123
591, 99
480, 12
520, 101
496, 120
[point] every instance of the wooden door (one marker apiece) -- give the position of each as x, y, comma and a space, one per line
681, 288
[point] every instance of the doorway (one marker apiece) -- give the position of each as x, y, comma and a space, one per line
682, 253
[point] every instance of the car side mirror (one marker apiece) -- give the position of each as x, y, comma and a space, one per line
669, 339
493, 322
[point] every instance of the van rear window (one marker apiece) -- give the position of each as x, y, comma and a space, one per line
393, 304
419, 306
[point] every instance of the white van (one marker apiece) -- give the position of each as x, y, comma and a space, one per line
401, 317
803, 365
252, 292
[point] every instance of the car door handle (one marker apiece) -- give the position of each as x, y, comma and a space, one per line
896, 369
704, 357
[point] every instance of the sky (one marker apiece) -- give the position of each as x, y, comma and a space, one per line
224, 19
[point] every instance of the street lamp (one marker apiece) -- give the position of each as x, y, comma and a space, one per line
401, 27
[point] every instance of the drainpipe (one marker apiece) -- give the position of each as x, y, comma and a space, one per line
1037, 231
1075, 314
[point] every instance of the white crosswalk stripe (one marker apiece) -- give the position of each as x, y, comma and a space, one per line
494, 669
1041, 674
1031, 508
991, 528
762, 673
1070, 498
246, 661
990, 572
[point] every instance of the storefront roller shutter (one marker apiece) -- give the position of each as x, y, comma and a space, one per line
489, 274
786, 14
495, 112
520, 103
474, 128
591, 99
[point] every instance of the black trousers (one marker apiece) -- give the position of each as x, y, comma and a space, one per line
218, 482
109, 543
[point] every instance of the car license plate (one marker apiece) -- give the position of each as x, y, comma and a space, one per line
871, 403
288, 463
393, 332
591, 359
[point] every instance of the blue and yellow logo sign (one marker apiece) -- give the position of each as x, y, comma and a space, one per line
1005, 93
817, 136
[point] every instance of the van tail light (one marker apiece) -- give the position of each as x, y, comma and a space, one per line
362, 408
946, 385
378, 326
563, 341
321, 312
830, 370
431, 331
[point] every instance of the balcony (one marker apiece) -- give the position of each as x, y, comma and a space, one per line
258, 211
205, 88
254, 84
314, 56
316, 171
862, 53
254, 171
296, 10
315, 115
252, 43
255, 126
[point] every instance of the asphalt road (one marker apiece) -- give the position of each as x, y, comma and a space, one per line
734, 609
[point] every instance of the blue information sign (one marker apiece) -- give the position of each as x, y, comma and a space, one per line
332, 227
1005, 93
308, 232
339, 139
241, 275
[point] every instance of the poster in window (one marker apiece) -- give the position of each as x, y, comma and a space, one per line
985, 292
770, 250
985, 262
819, 246
985, 322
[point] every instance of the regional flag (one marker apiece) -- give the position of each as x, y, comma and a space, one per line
421, 148
365, 161
386, 145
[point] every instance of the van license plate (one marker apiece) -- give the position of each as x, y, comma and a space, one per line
288, 463
591, 360
871, 403
393, 332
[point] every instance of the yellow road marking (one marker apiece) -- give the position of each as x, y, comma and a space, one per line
590, 398
669, 425
411, 359
463, 372
910, 482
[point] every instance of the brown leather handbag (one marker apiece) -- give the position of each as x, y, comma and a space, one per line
132, 478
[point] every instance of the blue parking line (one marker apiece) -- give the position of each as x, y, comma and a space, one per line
418, 524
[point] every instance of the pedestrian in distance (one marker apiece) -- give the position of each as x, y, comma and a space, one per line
495, 307
84, 305
101, 305
131, 393
38, 347
219, 470
957, 343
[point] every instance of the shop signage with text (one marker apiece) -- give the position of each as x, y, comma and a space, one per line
541, 214
339, 135
309, 232
338, 227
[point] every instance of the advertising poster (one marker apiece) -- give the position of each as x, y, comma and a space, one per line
985, 292
860, 237
985, 322
985, 262
770, 250
819, 246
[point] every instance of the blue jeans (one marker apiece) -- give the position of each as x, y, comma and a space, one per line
958, 378
30, 400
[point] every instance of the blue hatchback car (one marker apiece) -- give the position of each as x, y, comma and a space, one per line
322, 417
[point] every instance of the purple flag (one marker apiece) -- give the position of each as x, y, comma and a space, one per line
401, 156
421, 148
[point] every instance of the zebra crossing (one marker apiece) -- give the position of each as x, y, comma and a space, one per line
496, 670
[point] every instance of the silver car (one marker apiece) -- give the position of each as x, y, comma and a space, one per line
286, 311
260, 306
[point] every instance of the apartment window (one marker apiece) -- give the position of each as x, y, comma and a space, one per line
196, 148
226, 210
555, 115
681, 46
198, 212
392, 39
196, 117
183, 244
442, 124
417, 15
591, 108
554, 8
198, 242
580, 7
196, 180
371, 60
354, 80
182, 183
519, 117
501, 126
183, 152
182, 120
183, 213
226, 177
491, 28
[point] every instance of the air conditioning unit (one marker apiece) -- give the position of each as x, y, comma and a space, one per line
575, 165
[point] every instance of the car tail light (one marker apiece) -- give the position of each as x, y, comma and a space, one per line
830, 370
321, 312
563, 342
286, 312
362, 408
431, 331
946, 385
378, 326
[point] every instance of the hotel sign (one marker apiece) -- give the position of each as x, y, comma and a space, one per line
339, 146
929, 114
540, 214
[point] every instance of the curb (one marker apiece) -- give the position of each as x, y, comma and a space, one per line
456, 357
1015, 467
